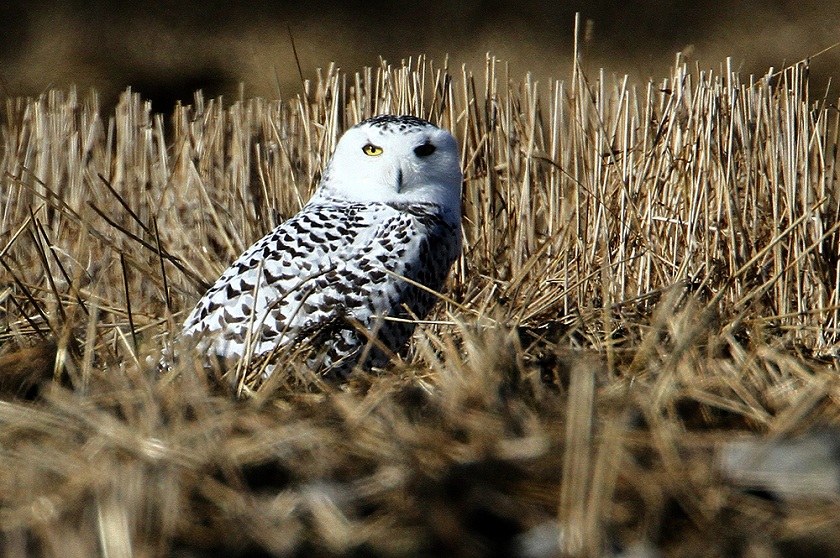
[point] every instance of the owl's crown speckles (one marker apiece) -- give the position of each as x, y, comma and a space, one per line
402, 122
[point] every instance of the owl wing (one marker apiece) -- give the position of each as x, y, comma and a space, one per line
271, 288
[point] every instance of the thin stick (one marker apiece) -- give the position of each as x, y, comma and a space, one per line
128, 303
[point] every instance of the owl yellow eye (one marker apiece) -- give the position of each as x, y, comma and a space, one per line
372, 150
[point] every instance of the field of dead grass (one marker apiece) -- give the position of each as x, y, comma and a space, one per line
650, 275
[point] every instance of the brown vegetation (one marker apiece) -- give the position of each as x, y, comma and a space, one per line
648, 272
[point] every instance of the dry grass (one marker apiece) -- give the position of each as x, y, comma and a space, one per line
648, 272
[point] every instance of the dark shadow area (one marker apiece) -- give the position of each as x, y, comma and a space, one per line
166, 50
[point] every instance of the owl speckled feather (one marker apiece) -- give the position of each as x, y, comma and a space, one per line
388, 207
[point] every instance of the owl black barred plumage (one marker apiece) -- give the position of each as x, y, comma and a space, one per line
388, 207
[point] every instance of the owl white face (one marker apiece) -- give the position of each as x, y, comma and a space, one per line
395, 159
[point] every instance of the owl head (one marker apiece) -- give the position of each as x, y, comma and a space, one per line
395, 159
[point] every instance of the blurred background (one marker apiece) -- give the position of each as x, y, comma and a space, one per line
168, 49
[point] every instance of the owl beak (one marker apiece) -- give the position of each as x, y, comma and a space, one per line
399, 180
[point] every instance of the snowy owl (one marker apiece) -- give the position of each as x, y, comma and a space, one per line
341, 276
